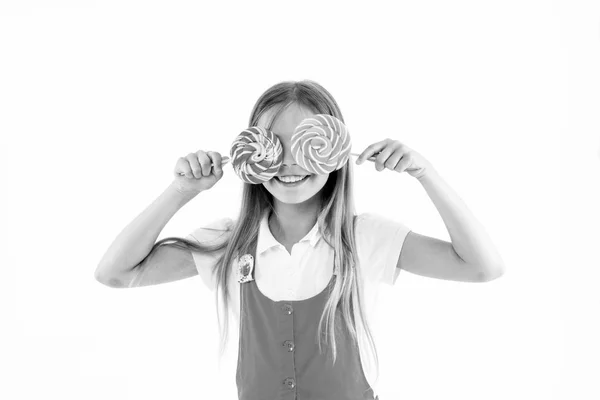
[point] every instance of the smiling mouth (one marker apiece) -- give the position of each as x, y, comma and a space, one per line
292, 183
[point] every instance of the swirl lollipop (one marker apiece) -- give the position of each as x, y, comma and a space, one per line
321, 144
256, 155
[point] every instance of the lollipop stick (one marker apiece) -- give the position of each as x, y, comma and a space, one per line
372, 158
226, 159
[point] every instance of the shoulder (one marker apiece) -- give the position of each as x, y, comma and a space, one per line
374, 231
379, 241
212, 230
373, 224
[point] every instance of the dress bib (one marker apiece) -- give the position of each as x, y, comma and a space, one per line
278, 356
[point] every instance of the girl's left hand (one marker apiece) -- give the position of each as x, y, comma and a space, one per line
393, 155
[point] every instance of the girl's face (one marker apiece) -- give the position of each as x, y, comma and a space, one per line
284, 127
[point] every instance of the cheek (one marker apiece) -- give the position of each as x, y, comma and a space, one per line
320, 180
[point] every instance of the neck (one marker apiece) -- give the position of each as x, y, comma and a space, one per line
291, 222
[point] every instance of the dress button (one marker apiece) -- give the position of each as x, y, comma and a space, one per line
289, 382
287, 309
289, 344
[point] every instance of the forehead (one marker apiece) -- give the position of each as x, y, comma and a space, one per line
287, 121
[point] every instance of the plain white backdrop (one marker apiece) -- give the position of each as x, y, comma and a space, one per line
98, 99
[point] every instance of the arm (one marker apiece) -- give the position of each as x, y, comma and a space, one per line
136, 240
471, 257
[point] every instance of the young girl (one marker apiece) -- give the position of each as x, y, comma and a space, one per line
311, 265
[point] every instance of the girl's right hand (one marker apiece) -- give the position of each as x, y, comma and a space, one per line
198, 174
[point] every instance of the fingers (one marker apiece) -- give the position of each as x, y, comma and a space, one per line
200, 164
205, 163
370, 151
216, 161
195, 161
183, 168
382, 158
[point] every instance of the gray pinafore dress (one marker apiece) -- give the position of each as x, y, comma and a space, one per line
278, 357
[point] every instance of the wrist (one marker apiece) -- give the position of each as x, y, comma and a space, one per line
184, 194
427, 175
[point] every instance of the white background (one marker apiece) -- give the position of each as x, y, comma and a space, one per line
98, 99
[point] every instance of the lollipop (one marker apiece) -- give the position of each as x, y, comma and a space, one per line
256, 155
321, 144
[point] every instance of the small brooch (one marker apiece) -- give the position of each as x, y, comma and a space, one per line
245, 267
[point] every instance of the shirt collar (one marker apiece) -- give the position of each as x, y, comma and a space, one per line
266, 240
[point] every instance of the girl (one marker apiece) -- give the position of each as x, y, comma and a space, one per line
311, 266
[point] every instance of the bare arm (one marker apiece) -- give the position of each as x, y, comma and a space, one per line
167, 264
470, 257
134, 243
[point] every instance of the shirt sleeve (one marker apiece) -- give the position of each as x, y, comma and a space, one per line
212, 233
379, 241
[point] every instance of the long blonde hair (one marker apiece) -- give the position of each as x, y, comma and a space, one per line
336, 222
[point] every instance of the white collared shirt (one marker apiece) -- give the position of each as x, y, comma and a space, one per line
307, 270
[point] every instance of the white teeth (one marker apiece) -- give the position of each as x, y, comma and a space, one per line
290, 179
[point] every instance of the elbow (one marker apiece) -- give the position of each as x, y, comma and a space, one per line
100, 276
490, 273
109, 281
101, 279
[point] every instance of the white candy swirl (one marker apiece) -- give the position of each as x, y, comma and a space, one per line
321, 144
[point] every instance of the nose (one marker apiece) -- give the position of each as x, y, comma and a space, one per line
288, 163
288, 159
